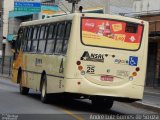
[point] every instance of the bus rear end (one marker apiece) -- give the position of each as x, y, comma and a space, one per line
110, 58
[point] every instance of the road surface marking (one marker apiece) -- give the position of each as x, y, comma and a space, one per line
72, 114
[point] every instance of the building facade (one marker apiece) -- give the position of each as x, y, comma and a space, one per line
12, 20
8, 5
144, 9
110, 6
149, 10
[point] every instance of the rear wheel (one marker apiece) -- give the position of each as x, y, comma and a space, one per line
102, 104
23, 90
44, 95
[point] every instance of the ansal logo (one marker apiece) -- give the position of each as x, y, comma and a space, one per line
92, 57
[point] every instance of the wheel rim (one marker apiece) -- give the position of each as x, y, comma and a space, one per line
43, 90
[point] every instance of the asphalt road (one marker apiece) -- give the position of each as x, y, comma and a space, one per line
151, 98
15, 105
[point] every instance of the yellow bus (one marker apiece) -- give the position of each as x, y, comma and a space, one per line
83, 55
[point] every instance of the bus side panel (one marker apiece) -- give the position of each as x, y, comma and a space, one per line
52, 65
140, 80
14, 75
17, 63
28, 70
71, 67
55, 75
55, 84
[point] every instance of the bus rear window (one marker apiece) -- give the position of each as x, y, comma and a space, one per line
111, 33
131, 28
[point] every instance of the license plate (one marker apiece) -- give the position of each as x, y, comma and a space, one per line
106, 78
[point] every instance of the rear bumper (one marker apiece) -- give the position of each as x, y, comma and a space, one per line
83, 86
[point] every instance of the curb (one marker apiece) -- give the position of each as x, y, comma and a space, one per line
152, 93
3, 76
146, 106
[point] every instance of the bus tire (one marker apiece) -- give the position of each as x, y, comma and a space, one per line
23, 90
102, 104
44, 95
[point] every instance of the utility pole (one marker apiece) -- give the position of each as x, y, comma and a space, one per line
1, 24
74, 2
107, 7
2, 46
1, 35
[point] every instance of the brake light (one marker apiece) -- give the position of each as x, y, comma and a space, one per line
78, 62
137, 69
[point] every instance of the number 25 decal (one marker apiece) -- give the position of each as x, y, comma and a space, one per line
90, 69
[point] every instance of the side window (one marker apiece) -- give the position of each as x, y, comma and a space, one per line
35, 39
42, 32
50, 32
35, 32
60, 36
66, 37
46, 32
51, 38
42, 39
29, 37
24, 41
19, 39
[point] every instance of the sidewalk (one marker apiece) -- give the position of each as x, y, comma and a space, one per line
151, 99
5, 75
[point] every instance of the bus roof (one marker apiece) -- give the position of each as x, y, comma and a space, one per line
48, 20
70, 17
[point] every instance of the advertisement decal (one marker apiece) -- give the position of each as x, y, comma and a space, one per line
111, 33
